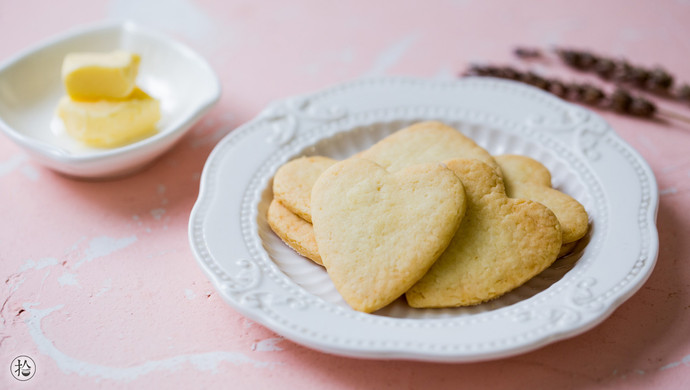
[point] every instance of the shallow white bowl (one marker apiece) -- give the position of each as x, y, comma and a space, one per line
31, 85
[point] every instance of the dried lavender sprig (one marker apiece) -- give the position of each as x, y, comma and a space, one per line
620, 100
655, 79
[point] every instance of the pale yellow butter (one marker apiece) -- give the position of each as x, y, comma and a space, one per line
94, 76
110, 123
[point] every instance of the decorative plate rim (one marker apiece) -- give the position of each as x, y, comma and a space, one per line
259, 290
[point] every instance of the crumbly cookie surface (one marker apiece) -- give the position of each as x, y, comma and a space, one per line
379, 232
293, 181
526, 178
567, 249
297, 233
424, 142
500, 244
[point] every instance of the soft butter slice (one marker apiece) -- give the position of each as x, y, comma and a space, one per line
109, 123
94, 76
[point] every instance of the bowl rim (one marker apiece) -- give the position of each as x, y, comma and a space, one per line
180, 125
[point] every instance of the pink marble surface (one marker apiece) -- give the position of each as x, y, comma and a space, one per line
99, 285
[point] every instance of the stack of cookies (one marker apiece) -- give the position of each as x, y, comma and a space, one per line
428, 213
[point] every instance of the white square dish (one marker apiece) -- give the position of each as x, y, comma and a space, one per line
31, 85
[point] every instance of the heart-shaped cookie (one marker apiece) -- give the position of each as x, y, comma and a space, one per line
500, 244
423, 142
297, 233
293, 181
526, 178
379, 232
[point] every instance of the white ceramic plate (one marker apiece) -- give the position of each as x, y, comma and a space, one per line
31, 85
263, 279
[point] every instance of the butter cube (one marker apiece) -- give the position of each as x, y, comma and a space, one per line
93, 76
110, 123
